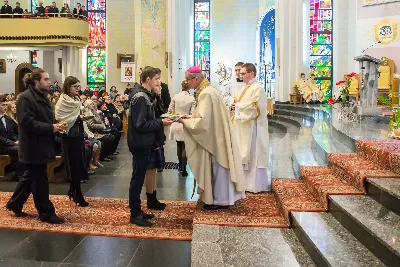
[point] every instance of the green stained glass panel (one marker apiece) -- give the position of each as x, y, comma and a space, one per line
202, 36
97, 69
202, 46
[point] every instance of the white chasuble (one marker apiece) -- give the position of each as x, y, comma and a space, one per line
251, 125
212, 150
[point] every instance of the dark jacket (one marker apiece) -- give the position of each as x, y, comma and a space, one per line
165, 96
76, 12
142, 124
35, 128
8, 137
6, 10
158, 111
53, 12
40, 10
18, 10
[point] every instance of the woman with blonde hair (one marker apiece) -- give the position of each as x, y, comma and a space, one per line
182, 103
12, 113
69, 110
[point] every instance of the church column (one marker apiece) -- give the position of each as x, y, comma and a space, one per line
179, 38
289, 33
65, 69
341, 26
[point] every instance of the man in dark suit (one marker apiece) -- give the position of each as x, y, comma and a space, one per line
6, 9
18, 9
36, 147
84, 11
53, 10
8, 139
40, 10
78, 10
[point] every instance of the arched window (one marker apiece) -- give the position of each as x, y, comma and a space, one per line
96, 51
202, 35
321, 43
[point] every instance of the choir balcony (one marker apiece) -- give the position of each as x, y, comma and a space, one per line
27, 30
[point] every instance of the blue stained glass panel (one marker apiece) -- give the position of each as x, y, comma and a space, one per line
96, 5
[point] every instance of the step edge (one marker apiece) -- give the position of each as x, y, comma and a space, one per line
364, 227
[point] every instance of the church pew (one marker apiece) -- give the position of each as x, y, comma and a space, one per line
125, 122
51, 172
5, 160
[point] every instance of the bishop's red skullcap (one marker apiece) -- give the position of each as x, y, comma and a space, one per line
194, 69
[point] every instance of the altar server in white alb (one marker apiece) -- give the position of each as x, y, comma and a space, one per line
233, 87
251, 124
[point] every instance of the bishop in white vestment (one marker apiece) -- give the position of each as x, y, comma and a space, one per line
251, 125
233, 87
211, 146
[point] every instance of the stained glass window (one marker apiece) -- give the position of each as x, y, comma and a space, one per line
34, 58
202, 35
96, 52
34, 4
321, 48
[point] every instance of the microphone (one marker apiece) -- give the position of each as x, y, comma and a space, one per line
370, 47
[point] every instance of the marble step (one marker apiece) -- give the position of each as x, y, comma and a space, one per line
303, 151
294, 113
305, 108
274, 127
386, 192
376, 227
290, 127
329, 243
325, 142
298, 122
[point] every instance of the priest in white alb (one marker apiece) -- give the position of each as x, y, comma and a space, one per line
251, 125
233, 87
211, 146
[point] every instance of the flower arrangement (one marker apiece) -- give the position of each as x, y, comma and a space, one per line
342, 91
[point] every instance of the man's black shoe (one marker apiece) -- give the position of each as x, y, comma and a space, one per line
140, 221
215, 207
185, 174
115, 153
18, 213
106, 159
147, 216
52, 219
91, 172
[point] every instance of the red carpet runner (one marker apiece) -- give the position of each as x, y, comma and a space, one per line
345, 175
105, 216
110, 217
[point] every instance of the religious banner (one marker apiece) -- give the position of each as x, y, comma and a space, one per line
127, 72
377, 2
386, 31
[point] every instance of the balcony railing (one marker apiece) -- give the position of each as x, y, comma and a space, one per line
35, 30
43, 15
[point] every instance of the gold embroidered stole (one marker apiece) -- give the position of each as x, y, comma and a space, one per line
205, 83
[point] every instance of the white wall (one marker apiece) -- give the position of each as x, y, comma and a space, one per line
57, 76
7, 80
233, 33
120, 38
